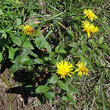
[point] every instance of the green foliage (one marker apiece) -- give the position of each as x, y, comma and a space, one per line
42, 89
58, 36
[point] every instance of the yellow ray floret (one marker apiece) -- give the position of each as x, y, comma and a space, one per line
28, 30
82, 69
89, 13
89, 28
64, 68
94, 29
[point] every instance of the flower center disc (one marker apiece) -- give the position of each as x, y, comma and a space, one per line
83, 69
63, 70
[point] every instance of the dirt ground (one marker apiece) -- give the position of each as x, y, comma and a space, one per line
16, 98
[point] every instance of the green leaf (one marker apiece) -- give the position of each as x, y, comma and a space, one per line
80, 52
18, 21
4, 35
40, 100
59, 58
46, 58
69, 98
33, 54
25, 52
71, 33
77, 18
42, 43
68, 80
52, 94
63, 86
73, 51
48, 96
22, 11
29, 62
2, 31
39, 33
101, 40
24, 59
42, 89
1, 12
51, 54
19, 60
64, 98
16, 66
16, 40
39, 61
51, 57
27, 43
48, 47
104, 46
53, 61
85, 60
96, 59
93, 42
83, 45
12, 52
57, 47
76, 26
74, 45
0, 57
53, 79
74, 88
60, 49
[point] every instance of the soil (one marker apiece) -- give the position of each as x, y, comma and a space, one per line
14, 97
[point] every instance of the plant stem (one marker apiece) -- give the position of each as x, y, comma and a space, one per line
22, 43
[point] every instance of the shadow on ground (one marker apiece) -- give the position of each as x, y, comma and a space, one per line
17, 93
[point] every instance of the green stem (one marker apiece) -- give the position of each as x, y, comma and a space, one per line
22, 44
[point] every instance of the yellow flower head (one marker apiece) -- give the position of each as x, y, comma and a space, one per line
89, 28
64, 68
82, 69
89, 13
94, 29
28, 30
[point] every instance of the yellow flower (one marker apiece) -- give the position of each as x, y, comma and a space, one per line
82, 69
94, 29
28, 30
89, 28
88, 13
64, 68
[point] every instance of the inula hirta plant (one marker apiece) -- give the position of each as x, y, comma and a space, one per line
88, 27
89, 13
83, 70
28, 30
64, 68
